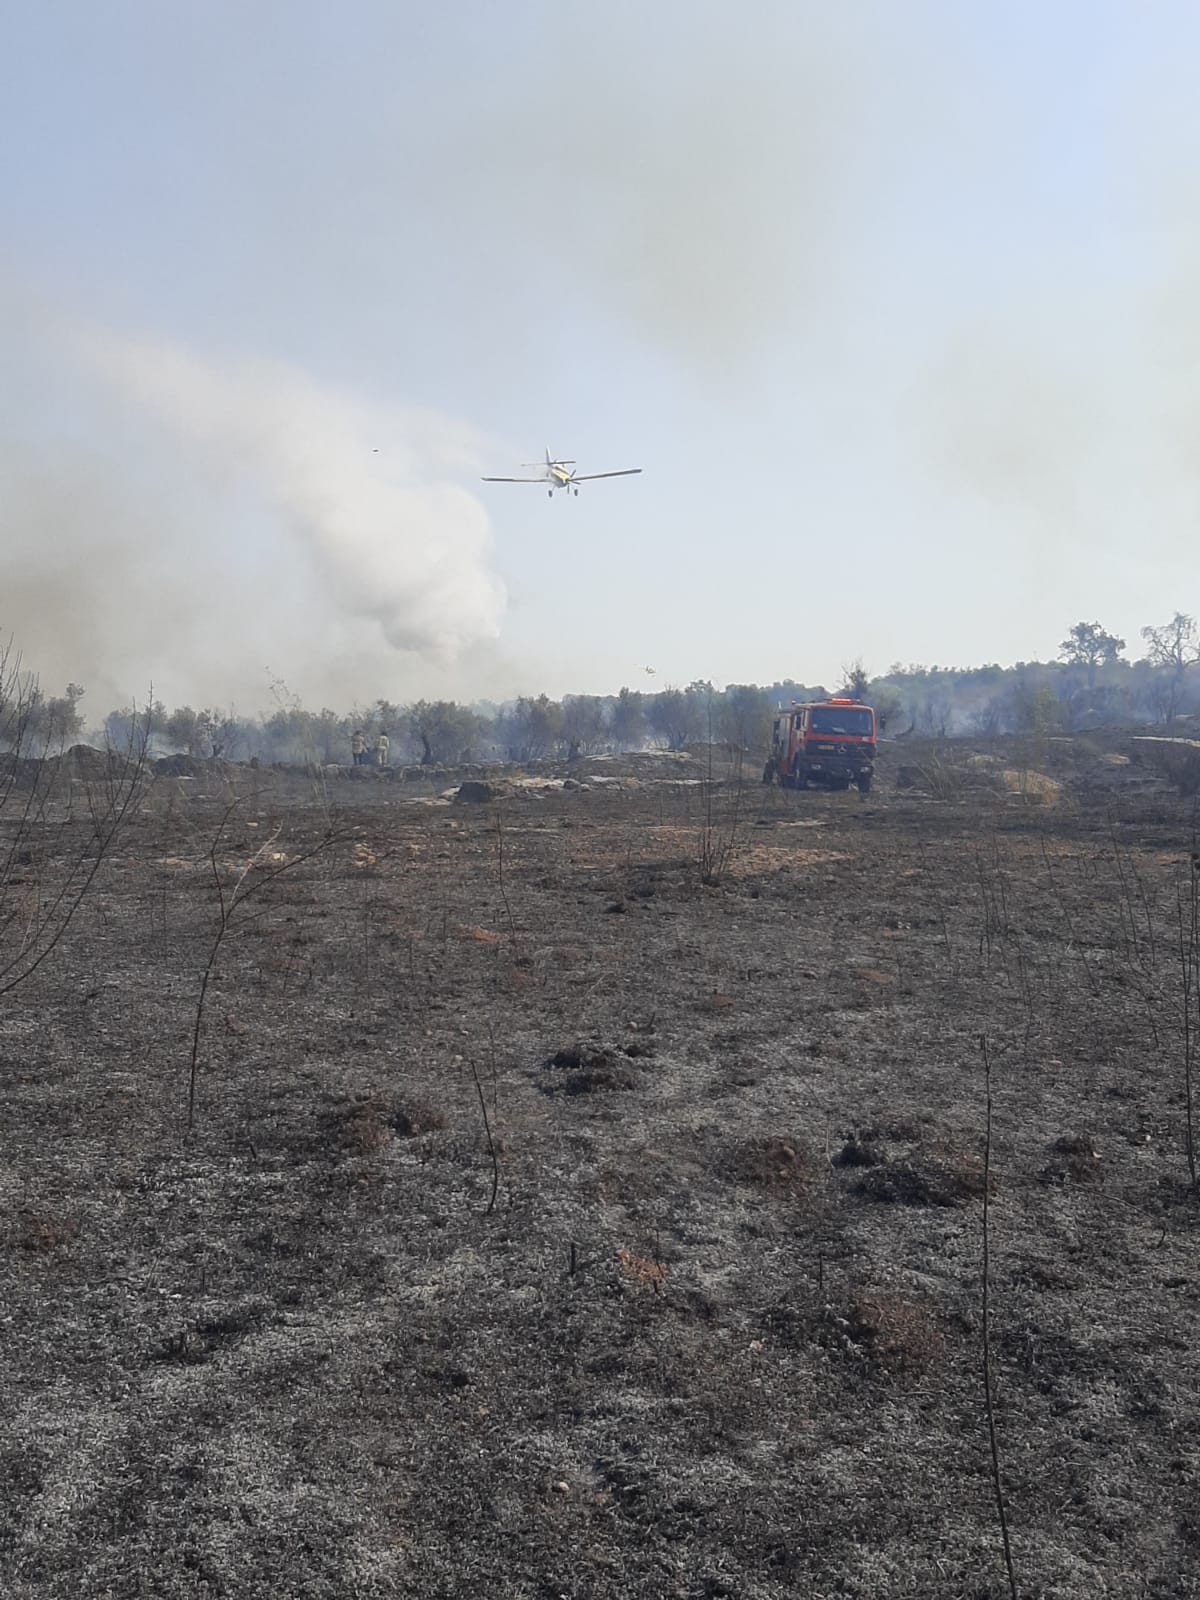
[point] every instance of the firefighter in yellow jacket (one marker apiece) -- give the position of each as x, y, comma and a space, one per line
381, 749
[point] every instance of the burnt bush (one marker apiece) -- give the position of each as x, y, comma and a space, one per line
416, 1117
857, 1153
922, 1181
773, 1163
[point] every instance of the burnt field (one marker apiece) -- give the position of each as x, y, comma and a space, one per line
552, 1222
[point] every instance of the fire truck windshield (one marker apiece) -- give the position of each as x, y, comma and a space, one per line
841, 719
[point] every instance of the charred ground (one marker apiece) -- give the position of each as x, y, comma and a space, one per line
718, 1332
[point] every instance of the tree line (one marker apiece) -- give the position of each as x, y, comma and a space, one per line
1092, 682
446, 732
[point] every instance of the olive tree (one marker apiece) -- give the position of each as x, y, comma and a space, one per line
1173, 648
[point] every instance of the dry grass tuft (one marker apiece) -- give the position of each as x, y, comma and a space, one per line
364, 1130
1034, 787
642, 1270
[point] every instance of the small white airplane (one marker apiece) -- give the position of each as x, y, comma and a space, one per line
560, 474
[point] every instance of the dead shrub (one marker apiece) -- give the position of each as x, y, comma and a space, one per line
927, 1179
193, 1346
589, 1069
961, 1170
638, 1050
364, 1130
417, 1117
1075, 1160
894, 1333
857, 1153
1076, 1144
942, 777
774, 1163
574, 1056
591, 1081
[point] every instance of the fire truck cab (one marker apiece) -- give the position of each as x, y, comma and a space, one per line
830, 743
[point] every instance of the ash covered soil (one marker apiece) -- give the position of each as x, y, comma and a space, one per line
709, 1324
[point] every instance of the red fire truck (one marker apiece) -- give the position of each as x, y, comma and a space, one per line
826, 742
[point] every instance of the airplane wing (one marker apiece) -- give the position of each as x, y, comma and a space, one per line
586, 477
513, 480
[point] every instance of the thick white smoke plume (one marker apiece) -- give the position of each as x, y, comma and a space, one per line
365, 492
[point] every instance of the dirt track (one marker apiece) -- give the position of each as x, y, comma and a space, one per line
720, 1333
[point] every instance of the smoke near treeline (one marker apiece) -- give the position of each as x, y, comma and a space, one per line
1092, 684
261, 517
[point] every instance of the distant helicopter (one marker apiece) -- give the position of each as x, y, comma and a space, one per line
559, 475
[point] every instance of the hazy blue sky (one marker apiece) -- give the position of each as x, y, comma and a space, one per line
895, 303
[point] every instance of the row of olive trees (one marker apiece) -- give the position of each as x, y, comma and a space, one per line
439, 732
672, 719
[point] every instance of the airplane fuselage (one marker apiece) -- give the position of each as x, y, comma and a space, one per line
559, 475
